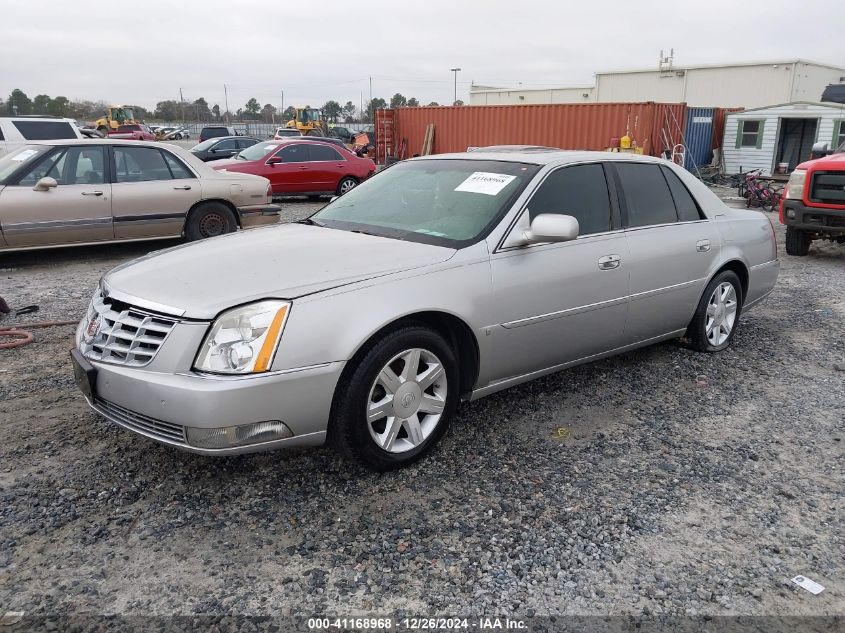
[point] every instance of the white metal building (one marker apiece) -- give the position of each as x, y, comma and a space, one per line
763, 138
747, 85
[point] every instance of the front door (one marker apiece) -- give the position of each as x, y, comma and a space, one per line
292, 174
76, 210
153, 192
673, 249
557, 303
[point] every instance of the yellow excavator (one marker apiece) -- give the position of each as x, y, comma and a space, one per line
113, 118
309, 122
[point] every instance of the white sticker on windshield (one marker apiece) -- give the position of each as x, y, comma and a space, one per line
485, 182
22, 156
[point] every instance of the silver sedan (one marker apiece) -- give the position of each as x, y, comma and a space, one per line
442, 279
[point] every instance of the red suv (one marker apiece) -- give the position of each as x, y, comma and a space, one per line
302, 167
813, 206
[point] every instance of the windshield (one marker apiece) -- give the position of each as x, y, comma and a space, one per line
257, 151
446, 202
10, 162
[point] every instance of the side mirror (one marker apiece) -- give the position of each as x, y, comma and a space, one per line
45, 183
551, 227
820, 150
274, 160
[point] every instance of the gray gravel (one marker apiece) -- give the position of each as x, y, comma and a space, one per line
659, 482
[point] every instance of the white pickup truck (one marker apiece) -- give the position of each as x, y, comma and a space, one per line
15, 132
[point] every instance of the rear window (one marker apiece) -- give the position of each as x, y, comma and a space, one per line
214, 131
44, 130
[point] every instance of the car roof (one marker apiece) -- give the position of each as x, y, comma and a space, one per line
546, 157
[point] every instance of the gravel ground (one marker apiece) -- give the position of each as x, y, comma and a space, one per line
658, 482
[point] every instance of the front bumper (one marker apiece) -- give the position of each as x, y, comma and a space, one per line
160, 406
259, 215
813, 219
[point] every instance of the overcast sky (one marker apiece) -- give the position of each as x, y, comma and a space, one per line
144, 52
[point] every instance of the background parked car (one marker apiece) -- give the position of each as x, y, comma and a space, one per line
327, 139
86, 191
223, 147
343, 133
213, 131
133, 132
302, 167
18, 131
286, 132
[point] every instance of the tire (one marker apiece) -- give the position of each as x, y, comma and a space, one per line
390, 442
210, 220
716, 318
345, 185
797, 242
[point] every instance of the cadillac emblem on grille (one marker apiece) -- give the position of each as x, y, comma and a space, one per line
93, 328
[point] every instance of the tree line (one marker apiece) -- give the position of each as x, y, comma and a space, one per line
19, 103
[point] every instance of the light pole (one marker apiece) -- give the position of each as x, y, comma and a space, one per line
456, 71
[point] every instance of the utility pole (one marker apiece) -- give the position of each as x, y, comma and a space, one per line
456, 71
283, 104
370, 108
182, 104
226, 100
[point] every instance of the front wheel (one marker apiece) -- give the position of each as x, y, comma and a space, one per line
210, 220
716, 318
398, 400
797, 242
346, 184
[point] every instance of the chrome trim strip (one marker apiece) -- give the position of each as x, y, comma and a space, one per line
53, 225
138, 222
138, 302
562, 313
263, 374
596, 306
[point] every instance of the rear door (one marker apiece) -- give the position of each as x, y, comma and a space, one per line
673, 249
327, 167
77, 210
153, 191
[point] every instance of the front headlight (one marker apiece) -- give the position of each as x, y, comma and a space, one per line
795, 184
244, 340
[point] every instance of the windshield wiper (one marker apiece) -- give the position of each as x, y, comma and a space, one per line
310, 221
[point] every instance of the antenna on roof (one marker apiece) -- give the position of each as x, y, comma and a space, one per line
665, 64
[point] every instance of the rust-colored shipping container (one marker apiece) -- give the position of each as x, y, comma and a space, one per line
719, 124
590, 126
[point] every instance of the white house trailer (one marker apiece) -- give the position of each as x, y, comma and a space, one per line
764, 138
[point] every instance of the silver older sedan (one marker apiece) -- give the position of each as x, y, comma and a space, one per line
442, 279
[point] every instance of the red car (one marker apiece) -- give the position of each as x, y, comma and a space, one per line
135, 132
302, 167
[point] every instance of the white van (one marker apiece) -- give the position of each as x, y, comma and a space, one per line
18, 131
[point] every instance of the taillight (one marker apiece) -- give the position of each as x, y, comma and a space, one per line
269, 192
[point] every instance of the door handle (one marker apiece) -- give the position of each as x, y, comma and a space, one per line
184, 187
303, 168
92, 193
702, 246
609, 262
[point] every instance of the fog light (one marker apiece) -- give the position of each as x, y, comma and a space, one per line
790, 213
243, 435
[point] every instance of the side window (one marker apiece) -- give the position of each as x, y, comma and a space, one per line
323, 152
1, 136
44, 130
227, 144
684, 202
177, 168
41, 169
646, 194
293, 153
139, 164
243, 143
579, 191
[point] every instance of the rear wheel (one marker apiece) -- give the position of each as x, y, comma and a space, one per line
398, 401
797, 242
717, 316
346, 184
210, 220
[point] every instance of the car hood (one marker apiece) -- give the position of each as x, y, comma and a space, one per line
200, 280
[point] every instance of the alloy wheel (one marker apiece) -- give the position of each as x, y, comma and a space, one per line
347, 185
406, 400
721, 314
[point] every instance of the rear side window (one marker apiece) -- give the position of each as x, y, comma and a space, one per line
140, 164
684, 203
579, 191
293, 153
1, 136
322, 152
243, 143
44, 130
176, 167
646, 194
